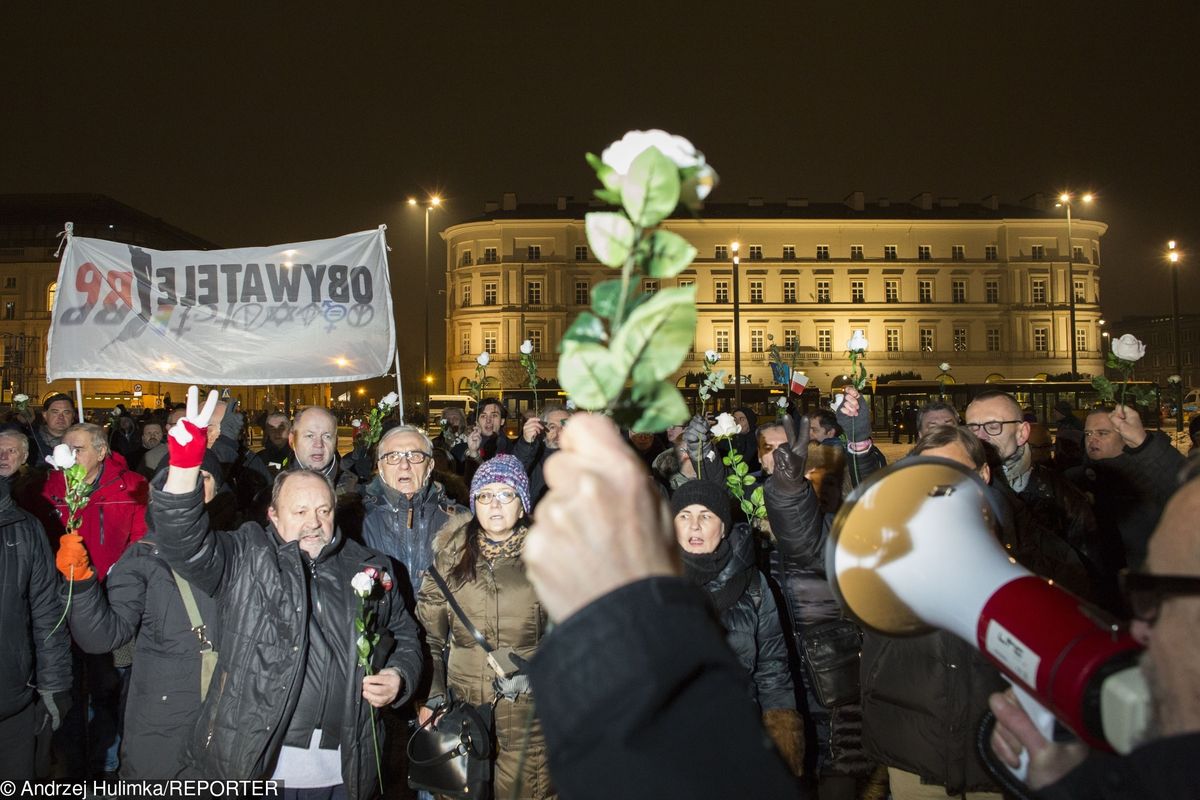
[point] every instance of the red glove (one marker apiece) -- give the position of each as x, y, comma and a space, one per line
72, 558
188, 438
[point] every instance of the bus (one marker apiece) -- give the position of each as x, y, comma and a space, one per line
439, 402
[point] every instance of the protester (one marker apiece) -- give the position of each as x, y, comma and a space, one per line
480, 559
1068, 440
646, 446
934, 413
313, 438
486, 438
673, 467
745, 441
823, 427
538, 441
14, 451
155, 456
247, 477
286, 698
276, 452
58, 414
151, 437
453, 433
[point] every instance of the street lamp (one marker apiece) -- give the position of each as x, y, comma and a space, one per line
1173, 260
434, 202
737, 331
1064, 200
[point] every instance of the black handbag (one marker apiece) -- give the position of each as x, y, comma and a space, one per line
451, 754
832, 657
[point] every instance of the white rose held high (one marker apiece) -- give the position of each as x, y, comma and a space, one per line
530, 365
477, 386
1127, 350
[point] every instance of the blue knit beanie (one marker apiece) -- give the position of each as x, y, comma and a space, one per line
504, 469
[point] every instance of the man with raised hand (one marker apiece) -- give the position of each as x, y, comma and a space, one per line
287, 699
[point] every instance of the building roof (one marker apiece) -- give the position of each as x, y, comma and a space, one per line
35, 220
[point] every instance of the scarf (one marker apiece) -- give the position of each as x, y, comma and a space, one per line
509, 548
703, 570
1017, 468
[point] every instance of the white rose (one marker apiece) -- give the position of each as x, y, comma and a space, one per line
1128, 348
526, 347
356, 423
1174, 379
362, 584
570, 404
726, 426
712, 356
781, 402
944, 367
483, 359
21, 398
837, 402
858, 342
620, 156
390, 399
63, 458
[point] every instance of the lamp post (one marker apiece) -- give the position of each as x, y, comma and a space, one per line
1064, 200
1173, 260
737, 330
433, 202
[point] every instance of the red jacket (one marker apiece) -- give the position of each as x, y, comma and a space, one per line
114, 516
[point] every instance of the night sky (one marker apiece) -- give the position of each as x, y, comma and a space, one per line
254, 124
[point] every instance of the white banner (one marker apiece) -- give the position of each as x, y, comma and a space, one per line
308, 312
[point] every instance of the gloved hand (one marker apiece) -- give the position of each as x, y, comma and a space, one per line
852, 416
233, 421
188, 437
791, 459
53, 708
694, 437
72, 558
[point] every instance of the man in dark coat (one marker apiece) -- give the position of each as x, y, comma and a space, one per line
539, 440
58, 414
485, 439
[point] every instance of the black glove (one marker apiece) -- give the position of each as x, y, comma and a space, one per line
694, 436
791, 459
233, 421
858, 427
52, 709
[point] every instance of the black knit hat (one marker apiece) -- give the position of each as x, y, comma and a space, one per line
705, 493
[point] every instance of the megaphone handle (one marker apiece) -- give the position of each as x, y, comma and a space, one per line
1043, 720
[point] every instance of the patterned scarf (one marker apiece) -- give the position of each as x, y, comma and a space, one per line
509, 548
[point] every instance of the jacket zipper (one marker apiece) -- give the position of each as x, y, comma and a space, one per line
212, 723
316, 597
101, 525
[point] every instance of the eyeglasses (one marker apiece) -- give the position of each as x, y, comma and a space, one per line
411, 456
992, 428
1145, 591
505, 496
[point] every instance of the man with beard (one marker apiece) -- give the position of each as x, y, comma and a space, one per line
1165, 599
487, 438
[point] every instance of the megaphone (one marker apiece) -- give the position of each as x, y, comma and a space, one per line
913, 549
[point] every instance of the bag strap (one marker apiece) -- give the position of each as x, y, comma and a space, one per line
457, 609
208, 655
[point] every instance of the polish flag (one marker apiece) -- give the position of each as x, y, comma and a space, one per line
799, 381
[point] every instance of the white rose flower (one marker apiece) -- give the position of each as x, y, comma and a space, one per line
526, 347
712, 356
390, 399
726, 426
356, 423
838, 399
858, 342
944, 367
362, 583
620, 156
570, 404
1128, 348
21, 398
1174, 379
63, 457
483, 359
781, 402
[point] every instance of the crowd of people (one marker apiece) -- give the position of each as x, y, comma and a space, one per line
197, 617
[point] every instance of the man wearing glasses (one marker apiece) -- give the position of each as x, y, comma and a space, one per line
404, 508
1050, 505
1165, 599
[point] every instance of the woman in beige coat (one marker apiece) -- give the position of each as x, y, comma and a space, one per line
480, 558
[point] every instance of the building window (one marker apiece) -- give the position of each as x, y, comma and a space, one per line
686, 282
489, 255
721, 252
581, 252
927, 342
991, 291
466, 258
464, 338
789, 252
722, 339
489, 341
1079, 293
858, 291
1038, 293
924, 252
889, 252
893, 340
51, 290
1095, 256
1037, 252
489, 293
960, 340
1077, 254
756, 340
650, 287
958, 291
825, 340
535, 252
925, 291
535, 339
856, 252
756, 252
790, 339
1040, 339
466, 295
891, 290
789, 291
822, 252
10, 310
756, 291
1081, 340
822, 291
721, 291
993, 340
533, 293
583, 293
958, 252
990, 253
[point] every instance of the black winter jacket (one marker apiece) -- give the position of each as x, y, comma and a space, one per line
269, 595
141, 599
405, 531
1164, 769
31, 657
533, 459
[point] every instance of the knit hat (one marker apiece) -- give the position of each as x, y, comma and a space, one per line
504, 469
705, 493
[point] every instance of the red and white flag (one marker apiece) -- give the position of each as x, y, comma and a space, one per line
798, 383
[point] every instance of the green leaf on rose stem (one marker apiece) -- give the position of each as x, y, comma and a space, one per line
590, 375
741, 468
651, 188
756, 496
747, 507
358, 625
670, 254
661, 407
658, 334
587, 327
608, 196
611, 236
732, 483
747, 480
760, 512
607, 175
1103, 387
605, 296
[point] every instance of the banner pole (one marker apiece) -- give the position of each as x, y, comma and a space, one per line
399, 386
79, 400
